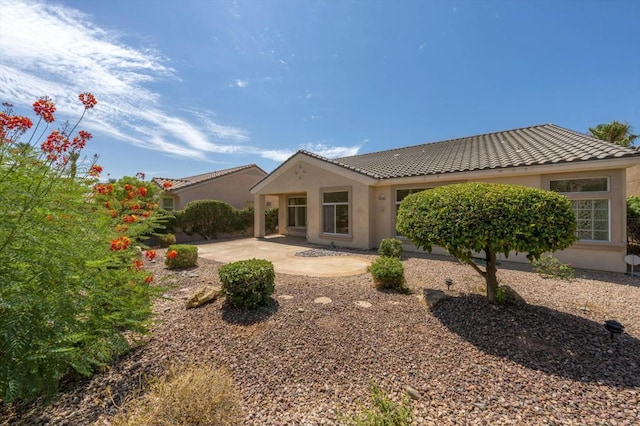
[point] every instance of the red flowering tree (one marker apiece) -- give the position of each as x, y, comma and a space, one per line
72, 281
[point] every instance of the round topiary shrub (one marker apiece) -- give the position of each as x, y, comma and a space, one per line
390, 247
179, 256
248, 284
388, 273
165, 240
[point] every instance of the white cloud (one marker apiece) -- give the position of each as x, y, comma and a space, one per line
277, 155
241, 83
332, 151
49, 49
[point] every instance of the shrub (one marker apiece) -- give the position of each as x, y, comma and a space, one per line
390, 247
194, 395
165, 240
633, 206
383, 411
550, 267
179, 256
271, 220
388, 273
248, 284
73, 292
207, 218
242, 219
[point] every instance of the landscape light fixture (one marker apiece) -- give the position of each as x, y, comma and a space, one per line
449, 283
613, 327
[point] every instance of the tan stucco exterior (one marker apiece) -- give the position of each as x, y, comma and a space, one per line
633, 180
372, 202
232, 189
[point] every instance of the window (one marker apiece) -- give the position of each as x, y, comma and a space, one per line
592, 214
580, 185
335, 212
401, 194
593, 219
167, 204
297, 211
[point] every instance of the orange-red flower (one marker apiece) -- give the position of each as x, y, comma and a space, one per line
148, 279
150, 254
44, 107
113, 213
130, 218
121, 243
167, 184
95, 170
128, 187
56, 143
122, 228
138, 264
142, 191
88, 100
81, 140
172, 254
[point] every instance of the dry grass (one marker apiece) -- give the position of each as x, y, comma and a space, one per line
186, 395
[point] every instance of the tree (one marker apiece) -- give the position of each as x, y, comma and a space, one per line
614, 132
470, 218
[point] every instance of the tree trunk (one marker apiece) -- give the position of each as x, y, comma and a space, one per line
492, 280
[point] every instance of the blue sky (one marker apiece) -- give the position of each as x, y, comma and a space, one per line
191, 86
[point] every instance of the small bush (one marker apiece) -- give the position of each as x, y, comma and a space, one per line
383, 411
501, 295
194, 395
179, 256
248, 284
271, 221
388, 273
550, 267
166, 240
390, 247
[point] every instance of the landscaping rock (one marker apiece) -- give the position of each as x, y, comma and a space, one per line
203, 295
322, 300
363, 304
432, 297
414, 394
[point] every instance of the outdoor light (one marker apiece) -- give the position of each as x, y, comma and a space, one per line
449, 283
613, 327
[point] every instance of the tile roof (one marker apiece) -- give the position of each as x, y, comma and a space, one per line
180, 183
527, 146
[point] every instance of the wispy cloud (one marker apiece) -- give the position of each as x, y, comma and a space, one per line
317, 148
240, 83
55, 50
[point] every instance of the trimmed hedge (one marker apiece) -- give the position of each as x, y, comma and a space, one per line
179, 256
388, 273
390, 247
248, 284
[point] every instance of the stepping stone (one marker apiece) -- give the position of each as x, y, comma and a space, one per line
363, 304
285, 297
322, 300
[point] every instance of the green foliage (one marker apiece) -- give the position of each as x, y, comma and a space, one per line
383, 411
550, 267
271, 220
390, 247
388, 273
71, 296
475, 217
207, 218
242, 219
248, 284
180, 256
501, 295
615, 132
633, 207
165, 240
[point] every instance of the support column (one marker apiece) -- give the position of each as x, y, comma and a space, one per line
259, 216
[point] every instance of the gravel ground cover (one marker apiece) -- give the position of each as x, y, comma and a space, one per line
298, 361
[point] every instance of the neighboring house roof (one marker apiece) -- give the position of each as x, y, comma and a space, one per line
181, 183
527, 146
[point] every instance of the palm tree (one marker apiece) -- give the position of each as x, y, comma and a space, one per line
614, 132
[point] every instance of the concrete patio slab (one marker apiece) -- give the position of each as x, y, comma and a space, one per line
281, 251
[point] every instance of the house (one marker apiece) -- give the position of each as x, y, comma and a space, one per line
228, 185
352, 201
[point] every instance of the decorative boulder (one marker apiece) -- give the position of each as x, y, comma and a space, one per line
205, 294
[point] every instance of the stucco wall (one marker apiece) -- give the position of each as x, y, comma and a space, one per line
232, 189
633, 180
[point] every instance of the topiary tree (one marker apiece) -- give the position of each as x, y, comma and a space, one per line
470, 218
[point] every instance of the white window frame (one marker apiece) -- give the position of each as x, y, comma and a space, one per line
335, 216
164, 205
296, 206
576, 196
